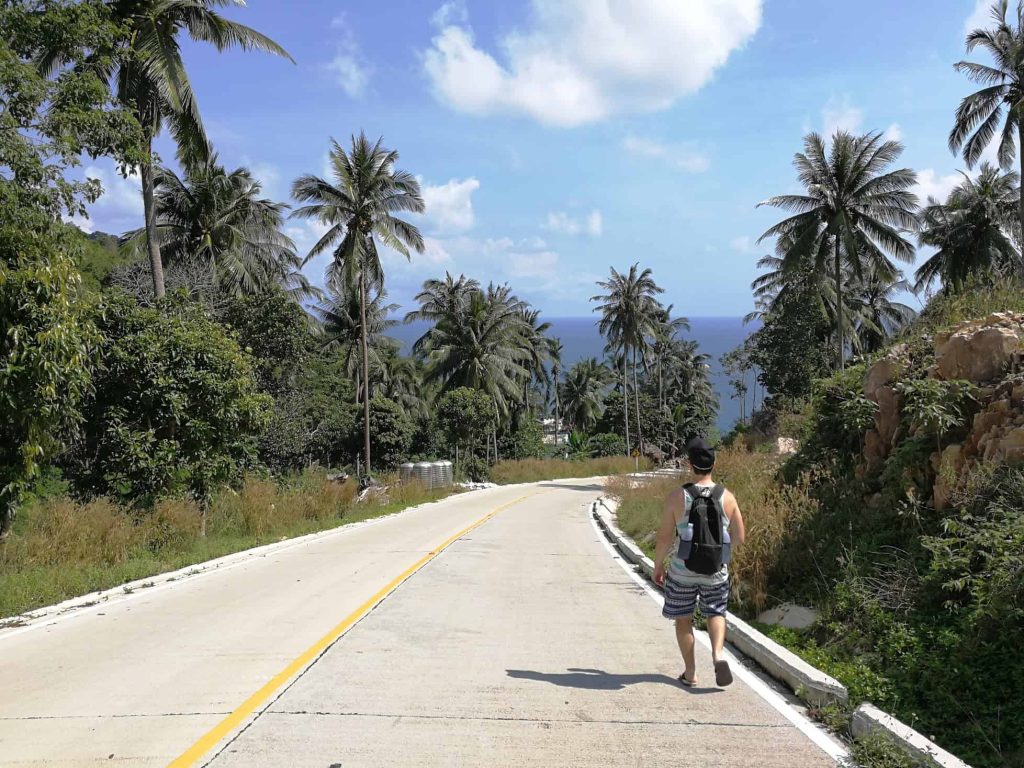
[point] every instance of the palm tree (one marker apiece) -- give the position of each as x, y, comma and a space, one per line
219, 219
480, 347
359, 209
440, 299
877, 316
555, 350
971, 230
582, 393
663, 336
628, 312
342, 315
852, 210
149, 77
978, 116
537, 347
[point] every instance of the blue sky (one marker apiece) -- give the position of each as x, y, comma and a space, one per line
557, 138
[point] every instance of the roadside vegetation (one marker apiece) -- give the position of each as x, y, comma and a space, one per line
534, 470
62, 548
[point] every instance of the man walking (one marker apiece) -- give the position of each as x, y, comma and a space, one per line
706, 521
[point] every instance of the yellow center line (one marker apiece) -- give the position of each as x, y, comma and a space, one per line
212, 737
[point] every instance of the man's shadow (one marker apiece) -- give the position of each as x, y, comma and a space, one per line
599, 680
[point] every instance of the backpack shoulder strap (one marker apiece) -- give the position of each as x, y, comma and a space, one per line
690, 490
718, 492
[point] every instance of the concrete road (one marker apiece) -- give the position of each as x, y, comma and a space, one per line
522, 643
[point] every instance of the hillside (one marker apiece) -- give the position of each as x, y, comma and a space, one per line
913, 549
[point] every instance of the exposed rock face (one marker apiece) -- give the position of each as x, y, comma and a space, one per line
949, 465
785, 446
980, 351
878, 388
990, 354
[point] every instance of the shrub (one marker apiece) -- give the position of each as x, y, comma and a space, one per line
606, 444
175, 406
391, 431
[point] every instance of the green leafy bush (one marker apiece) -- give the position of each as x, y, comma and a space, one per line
175, 407
606, 444
391, 431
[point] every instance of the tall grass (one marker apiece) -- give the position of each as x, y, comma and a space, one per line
61, 548
535, 470
769, 510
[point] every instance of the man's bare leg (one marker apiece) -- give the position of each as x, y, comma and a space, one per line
684, 636
716, 631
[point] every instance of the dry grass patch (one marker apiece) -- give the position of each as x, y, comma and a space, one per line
535, 470
62, 549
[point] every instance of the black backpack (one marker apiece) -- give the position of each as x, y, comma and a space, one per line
706, 546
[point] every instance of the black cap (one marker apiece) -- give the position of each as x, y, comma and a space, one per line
701, 455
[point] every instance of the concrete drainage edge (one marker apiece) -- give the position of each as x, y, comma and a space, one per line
809, 683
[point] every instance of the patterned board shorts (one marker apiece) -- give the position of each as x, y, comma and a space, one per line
682, 597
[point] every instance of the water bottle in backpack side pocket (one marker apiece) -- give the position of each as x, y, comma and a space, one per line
685, 541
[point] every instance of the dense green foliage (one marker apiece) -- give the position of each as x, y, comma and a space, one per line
174, 408
45, 125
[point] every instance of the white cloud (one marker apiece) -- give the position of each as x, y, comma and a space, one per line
450, 205
306, 233
269, 176
541, 264
894, 132
685, 157
581, 61
451, 13
119, 209
564, 224
839, 114
744, 244
931, 184
434, 252
981, 16
348, 67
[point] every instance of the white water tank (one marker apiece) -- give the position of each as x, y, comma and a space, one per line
447, 474
405, 472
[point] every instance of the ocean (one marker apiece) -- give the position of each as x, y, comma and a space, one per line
580, 339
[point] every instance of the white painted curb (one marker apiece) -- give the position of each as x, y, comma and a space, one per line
810, 684
870, 719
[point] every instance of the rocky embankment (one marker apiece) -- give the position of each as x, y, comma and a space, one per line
989, 353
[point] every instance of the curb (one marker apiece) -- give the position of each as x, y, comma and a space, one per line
807, 682
810, 684
869, 719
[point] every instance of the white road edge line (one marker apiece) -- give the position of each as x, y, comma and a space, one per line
824, 742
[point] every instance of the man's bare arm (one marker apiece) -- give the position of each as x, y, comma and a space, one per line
666, 532
737, 530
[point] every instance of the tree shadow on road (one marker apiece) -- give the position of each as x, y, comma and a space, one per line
564, 487
599, 680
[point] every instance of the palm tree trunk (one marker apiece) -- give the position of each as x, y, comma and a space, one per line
1020, 157
625, 399
661, 389
556, 406
149, 207
839, 309
636, 398
366, 370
